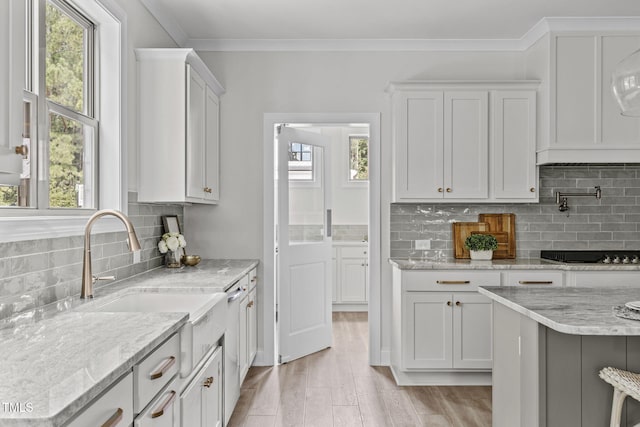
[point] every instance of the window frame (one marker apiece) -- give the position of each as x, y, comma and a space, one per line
111, 67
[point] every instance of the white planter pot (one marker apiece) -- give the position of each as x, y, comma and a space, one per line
481, 255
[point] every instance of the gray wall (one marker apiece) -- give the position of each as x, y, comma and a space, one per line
610, 223
34, 273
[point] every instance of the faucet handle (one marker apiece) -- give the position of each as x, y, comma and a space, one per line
96, 278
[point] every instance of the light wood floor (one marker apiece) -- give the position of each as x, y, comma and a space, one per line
336, 387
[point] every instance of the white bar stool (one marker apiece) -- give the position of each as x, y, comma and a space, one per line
624, 384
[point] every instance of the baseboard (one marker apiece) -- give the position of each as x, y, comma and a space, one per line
404, 378
260, 360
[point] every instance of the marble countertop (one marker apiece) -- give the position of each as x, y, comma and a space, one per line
505, 264
59, 361
576, 311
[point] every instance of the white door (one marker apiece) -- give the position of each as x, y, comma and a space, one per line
304, 243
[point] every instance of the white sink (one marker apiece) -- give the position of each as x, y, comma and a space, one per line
206, 324
163, 302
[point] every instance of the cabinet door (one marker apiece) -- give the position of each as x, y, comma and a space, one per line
212, 147
195, 134
472, 330
353, 280
201, 401
243, 339
252, 322
466, 145
427, 330
513, 145
418, 145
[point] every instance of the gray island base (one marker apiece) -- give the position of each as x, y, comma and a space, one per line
548, 347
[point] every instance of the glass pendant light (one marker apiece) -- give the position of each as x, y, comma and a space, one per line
625, 84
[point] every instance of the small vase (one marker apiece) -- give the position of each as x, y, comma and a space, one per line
481, 255
172, 259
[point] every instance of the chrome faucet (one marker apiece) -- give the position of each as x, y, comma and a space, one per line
87, 278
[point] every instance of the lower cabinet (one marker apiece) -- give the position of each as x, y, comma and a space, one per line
201, 401
115, 407
442, 327
248, 332
446, 330
350, 277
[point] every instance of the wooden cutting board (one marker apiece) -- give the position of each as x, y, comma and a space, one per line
502, 223
462, 230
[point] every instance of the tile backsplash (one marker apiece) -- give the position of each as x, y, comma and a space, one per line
34, 273
610, 223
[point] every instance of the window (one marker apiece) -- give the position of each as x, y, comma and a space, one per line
358, 158
59, 101
300, 162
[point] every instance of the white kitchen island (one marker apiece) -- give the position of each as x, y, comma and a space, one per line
549, 345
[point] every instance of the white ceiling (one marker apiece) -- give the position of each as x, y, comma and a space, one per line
215, 20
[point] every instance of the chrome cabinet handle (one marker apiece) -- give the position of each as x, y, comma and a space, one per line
163, 368
453, 282
160, 411
114, 420
536, 282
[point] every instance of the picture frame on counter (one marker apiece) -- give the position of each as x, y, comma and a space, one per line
171, 224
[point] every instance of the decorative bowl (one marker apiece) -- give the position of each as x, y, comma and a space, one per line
191, 260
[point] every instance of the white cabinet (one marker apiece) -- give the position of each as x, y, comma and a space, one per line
351, 277
581, 120
446, 330
178, 127
248, 328
115, 406
442, 141
441, 327
596, 279
201, 400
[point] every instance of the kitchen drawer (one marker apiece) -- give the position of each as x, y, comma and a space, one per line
354, 252
253, 278
164, 411
116, 403
154, 372
596, 279
534, 278
448, 281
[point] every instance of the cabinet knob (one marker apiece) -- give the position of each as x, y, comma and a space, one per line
250, 304
532, 189
207, 190
449, 303
449, 190
208, 382
440, 190
458, 303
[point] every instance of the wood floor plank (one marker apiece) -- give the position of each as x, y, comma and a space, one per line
337, 387
346, 416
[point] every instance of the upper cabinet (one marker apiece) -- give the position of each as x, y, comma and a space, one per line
580, 120
12, 79
178, 101
464, 141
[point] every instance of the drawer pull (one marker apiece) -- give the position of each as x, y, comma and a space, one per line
115, 419
208, 382
163, 368
160, 411
536, 282
453, 282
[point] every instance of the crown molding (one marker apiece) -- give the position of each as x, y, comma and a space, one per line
540, 29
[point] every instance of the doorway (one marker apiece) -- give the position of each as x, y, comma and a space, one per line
325, 123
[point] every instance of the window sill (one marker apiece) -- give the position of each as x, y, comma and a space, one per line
49, 227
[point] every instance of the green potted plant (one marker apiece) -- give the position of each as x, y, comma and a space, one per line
481, 246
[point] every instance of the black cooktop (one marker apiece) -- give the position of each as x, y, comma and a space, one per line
606, 257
